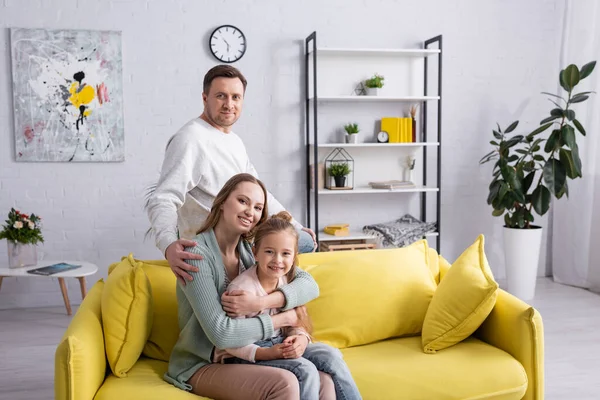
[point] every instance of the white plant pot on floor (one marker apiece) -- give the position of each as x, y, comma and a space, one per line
522, 255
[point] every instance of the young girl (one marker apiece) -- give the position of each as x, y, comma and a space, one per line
275, 250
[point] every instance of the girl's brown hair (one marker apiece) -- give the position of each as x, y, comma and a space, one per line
281, 222
215, 212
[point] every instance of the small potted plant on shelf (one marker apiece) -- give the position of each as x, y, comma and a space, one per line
22, 233
352, 133
373, 84
339, 171
528, 171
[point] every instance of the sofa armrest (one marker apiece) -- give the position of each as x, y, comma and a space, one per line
80, 360
516, 327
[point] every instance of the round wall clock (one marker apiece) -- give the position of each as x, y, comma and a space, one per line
227, 43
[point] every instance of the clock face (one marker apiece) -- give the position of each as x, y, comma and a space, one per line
227, 43
383, 137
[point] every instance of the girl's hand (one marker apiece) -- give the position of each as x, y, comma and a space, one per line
270, 353
239, 303
295, 346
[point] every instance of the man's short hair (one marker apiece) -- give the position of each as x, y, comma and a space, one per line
222, 71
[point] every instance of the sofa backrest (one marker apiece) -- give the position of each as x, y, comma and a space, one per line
393, 281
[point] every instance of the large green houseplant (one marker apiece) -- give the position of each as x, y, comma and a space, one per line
530, 169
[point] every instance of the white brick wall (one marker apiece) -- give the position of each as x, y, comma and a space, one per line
499, 55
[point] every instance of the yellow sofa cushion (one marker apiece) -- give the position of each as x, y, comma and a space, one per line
144, 381
369, 295
79, 360
398, 369
126, 314
165, 325
463, 300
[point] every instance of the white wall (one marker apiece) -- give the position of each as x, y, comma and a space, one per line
498, 57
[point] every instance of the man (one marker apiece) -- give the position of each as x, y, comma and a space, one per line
199, 159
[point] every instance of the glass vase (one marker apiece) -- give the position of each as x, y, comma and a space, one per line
21, 254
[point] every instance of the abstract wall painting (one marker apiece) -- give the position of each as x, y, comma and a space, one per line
68, 95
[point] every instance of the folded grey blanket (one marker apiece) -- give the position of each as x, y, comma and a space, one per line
401, 232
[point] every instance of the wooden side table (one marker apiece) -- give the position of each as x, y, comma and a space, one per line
80, 273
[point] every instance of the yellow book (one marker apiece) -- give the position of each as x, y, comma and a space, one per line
337, 232
391, 126
337, 226
407, 130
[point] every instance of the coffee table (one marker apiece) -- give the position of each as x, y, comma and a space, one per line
86, 269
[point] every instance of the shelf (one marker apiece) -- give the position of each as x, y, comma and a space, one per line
368, 190
375, 99
381, 145
355, 235
378, 52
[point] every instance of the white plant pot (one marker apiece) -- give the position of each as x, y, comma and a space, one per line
21, 255
352, 138
522, 255
373, 91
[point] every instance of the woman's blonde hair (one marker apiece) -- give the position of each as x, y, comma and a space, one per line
215, 212
281, 222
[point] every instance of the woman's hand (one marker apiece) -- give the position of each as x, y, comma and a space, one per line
295, 346
239, 303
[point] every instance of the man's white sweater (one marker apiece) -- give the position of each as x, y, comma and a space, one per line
199, 160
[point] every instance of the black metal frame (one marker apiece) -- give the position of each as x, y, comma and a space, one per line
312, 40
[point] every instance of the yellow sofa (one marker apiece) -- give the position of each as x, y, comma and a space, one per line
503, 359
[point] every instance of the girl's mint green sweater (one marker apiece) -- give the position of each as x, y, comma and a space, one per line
204, 325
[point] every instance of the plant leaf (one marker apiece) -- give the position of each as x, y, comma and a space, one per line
577, 161
494, 189
570, 114
497, 135
551, 118
557, 112
568, 136
527, 181
563, 81
498, 212
540, 199
555, 175
554, 95
552, 141
539, 157
507, 221
511, 127
566, 159
555, 103
587, 69
541, 129
579, 98
564, 191
579, 127
571, 77
487, 157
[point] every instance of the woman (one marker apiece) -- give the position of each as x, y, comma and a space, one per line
204, 325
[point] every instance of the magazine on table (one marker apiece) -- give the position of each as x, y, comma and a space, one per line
54, 269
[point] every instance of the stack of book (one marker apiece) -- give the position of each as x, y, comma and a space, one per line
399, 129
392, 185
338, 230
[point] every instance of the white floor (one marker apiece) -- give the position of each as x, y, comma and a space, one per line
28, 338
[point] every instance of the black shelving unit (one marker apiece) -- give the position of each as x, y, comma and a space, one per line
311, 110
